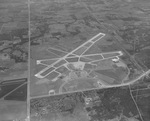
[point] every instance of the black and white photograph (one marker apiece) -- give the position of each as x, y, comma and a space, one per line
74, 60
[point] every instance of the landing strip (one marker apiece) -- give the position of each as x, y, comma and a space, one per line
78, 71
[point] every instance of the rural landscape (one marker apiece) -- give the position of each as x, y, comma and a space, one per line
74, 60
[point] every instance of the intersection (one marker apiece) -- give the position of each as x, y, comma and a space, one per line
75, 65
74, 57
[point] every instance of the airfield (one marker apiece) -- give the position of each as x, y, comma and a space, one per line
74, 60
83, 68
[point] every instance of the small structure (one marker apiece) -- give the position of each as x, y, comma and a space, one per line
115, 60
51, 92
87, 100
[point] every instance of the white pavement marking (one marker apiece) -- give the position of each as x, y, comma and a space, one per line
120, 52
38, 74
83, 45
40, 61
102, 59
74, 50
100, 34
105, 53
45, 69
93, 43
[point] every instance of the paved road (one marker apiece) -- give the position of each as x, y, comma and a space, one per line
93, 40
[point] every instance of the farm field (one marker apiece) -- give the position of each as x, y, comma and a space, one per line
70, 72
74, 60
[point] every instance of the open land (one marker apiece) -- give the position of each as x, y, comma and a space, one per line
109, 104
80, 60
80, 46
75, 52
14, 43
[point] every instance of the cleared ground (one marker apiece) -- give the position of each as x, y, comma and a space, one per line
73, 71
